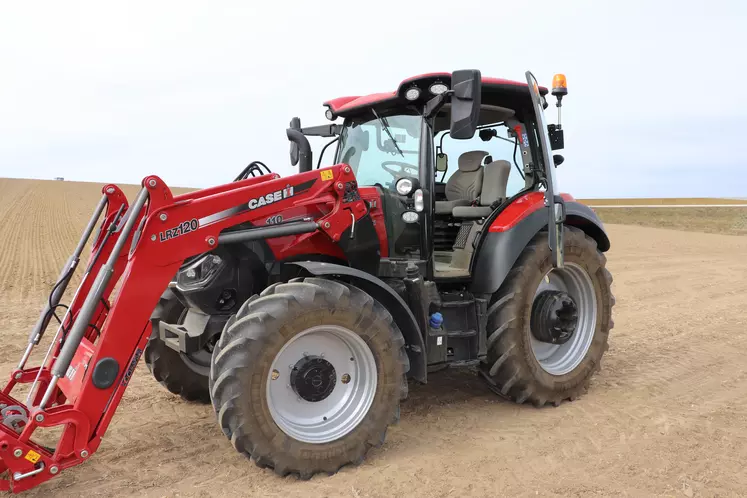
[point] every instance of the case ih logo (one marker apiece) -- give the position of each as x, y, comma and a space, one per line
270, 198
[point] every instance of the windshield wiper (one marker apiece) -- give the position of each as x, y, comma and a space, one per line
385, 125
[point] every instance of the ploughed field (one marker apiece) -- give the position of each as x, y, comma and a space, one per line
667, 415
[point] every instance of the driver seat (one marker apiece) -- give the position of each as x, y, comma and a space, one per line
465, 185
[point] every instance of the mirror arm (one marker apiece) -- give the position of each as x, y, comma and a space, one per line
331, 130
435, 104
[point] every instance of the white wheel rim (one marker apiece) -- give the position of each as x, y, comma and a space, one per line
350, 398
560, 359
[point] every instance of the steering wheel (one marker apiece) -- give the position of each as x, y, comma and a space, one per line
403, 167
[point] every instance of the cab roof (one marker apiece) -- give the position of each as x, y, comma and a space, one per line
496, 91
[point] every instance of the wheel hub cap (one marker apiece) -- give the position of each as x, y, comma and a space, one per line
554, 317
313, 378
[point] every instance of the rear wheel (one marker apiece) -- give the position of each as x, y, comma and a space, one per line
548, 328
185, 375
307, 377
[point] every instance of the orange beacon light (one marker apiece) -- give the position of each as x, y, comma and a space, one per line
559, 85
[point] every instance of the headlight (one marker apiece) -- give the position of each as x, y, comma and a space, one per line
199, 273
410, 217
329, 114
419, 203
438, 88
404, 186
412, 93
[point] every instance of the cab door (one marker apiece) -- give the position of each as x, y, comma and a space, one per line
553, 201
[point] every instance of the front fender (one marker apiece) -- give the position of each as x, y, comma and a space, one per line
380, 291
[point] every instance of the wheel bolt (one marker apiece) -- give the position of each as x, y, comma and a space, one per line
345, 378
275, 375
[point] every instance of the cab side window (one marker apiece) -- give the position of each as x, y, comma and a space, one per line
496, 147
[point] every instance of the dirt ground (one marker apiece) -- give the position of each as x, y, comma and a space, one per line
666, 416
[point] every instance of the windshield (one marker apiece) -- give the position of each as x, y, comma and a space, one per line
381, 149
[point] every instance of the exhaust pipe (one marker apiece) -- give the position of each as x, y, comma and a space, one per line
301, 144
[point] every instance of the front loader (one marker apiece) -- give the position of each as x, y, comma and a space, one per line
301, 306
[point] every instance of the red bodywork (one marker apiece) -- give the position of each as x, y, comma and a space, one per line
85, 410
342, 106
519, 209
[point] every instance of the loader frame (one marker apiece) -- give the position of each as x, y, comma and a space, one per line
98, 344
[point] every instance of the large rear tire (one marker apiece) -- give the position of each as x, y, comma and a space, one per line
178, 374
307, 377
524, 369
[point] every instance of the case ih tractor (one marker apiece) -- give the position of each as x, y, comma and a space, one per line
301, 306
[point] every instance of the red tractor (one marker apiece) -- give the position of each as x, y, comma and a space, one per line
302, 306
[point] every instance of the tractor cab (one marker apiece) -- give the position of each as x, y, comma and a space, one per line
439, 158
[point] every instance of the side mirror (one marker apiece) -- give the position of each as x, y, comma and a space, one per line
442, 162
465, 103
295, 124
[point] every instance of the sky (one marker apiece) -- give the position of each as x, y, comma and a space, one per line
194, 91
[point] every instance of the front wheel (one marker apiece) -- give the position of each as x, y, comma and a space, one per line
548, 327
307, 377
185, 375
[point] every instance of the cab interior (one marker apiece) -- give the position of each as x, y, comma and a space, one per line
469, 187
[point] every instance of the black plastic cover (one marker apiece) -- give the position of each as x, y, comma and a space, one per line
105, 373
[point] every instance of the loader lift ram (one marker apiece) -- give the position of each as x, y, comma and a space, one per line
300, 306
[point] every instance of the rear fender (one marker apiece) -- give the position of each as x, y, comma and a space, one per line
390, 300
583, 217
510, 233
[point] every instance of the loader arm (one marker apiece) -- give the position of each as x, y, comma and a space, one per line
141, 246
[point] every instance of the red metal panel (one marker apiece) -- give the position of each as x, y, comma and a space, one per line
70, 384
520, 209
